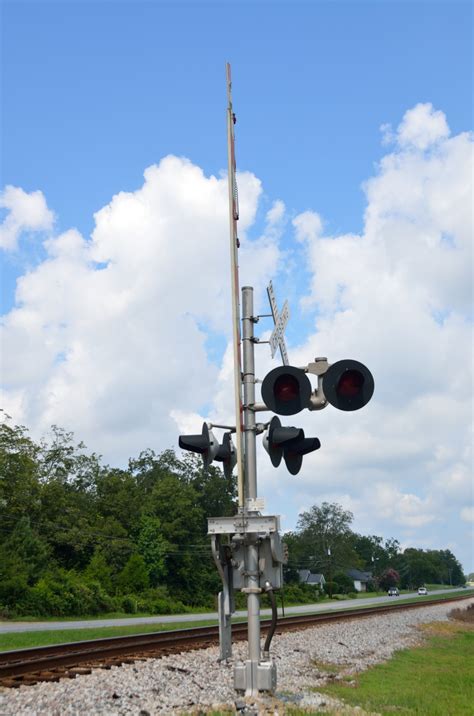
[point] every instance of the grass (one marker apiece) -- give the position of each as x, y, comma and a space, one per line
105, 615
435, 679
434, 587
26, 640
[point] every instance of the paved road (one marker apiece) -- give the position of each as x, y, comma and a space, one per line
91, 623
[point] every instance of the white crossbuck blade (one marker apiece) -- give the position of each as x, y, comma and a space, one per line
277, 339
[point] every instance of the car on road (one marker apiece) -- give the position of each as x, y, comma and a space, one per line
393, 592
422, 591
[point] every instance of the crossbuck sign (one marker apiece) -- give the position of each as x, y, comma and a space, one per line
277, 339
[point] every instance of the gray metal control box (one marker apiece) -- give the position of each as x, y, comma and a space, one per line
263, 676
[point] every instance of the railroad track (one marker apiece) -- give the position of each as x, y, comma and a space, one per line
51, 663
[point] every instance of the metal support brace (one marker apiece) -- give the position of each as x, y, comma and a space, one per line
226, 603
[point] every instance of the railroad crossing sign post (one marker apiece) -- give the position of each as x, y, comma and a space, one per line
256, 553
253, 675
246, 547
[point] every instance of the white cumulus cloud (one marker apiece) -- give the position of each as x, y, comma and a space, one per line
422, 126
109, 335
24, 212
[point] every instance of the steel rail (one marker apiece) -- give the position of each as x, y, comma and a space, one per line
37, 660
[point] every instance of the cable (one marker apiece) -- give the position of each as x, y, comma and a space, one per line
269, 590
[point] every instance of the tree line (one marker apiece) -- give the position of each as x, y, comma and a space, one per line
79, 537
324, 542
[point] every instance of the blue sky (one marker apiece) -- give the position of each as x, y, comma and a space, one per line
350, 222
95, 92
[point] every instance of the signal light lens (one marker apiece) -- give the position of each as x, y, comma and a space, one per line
350, 384
286, 388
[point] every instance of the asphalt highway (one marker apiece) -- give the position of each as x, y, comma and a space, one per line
12, 626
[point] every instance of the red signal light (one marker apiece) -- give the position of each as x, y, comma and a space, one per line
350, 384
286, 388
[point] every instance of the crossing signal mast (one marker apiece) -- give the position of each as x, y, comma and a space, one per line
247, 547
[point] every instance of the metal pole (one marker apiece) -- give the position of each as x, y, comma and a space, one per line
252, 566
234, 273
249, 393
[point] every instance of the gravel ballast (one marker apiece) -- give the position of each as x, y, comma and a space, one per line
196, 681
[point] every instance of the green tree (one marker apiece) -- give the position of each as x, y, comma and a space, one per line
417, 568
153, 548
23, 552
326, 538
345, 585
134, 576
98, 570
19, 476
118, 496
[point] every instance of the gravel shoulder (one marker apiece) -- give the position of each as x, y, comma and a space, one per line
196, 681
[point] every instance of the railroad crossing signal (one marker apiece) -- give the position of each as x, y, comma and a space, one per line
207, 445
246, 547
289, 443
347, 385
227, 455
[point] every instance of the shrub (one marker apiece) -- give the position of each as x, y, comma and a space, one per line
12, 590
63, 594
331, 587
5, 612
129, 605
345, 583
134, 576
301, 594
157, 600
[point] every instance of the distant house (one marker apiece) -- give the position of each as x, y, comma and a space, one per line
309, 577
360, 579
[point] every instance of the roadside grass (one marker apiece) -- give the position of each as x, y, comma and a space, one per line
105, 615
434, 587
30, 639
436, 678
